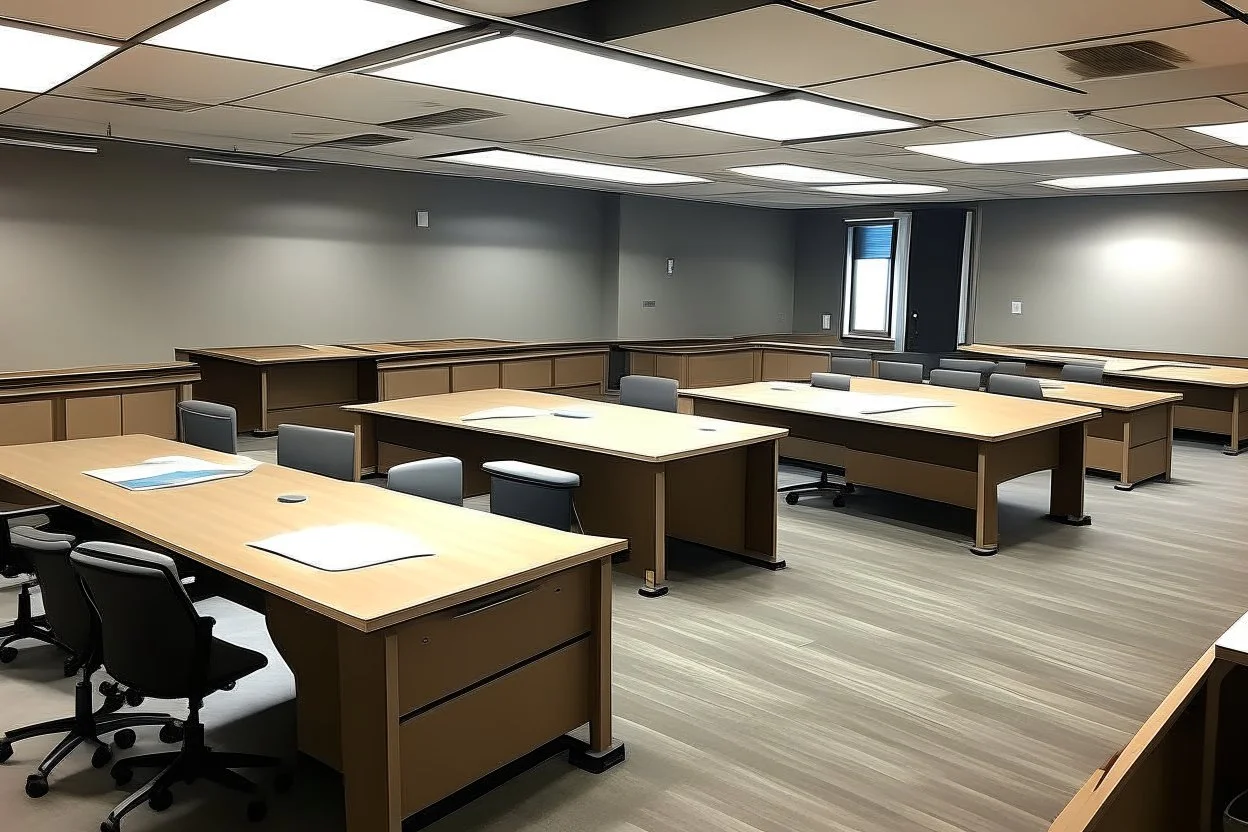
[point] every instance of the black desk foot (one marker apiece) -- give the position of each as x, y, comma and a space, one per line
657, 591
1127, 487
1070, 519
595, 762
984, 551
1232, 450
773, 565
263, 434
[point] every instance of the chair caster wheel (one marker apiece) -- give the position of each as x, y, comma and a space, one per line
110, 826
134, 698
122, 774
160, 801
791, 498
7, 654
102, 757
257, 810
6, 750
124, 739
36, 785
171, 732
228, 686
283, 782
109, 688
838, 501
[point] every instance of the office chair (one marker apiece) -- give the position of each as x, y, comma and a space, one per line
860, 367
1021, 386
155, 641
441, 479
208, 425
533, 493
1010, 368
1086, 373
653, 392
829, 381
901, 371
330, 453
26, 626
961, 379
77, 627
970, 365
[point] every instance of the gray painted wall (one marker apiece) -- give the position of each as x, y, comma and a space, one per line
734, 269
121, 257
1155, 272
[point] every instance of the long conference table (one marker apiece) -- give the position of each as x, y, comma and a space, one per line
955, 454
1215, 397
414, 678
645, 475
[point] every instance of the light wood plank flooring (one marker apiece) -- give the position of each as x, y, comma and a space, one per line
888, 681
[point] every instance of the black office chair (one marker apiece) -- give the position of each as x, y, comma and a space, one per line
652, 392
823, 485
208, 425
330, 453
26, 625
1086, 373
960, 379
1010, 368
77, 628
900, 371
1021, 386
970, 365
850, 366
155, 641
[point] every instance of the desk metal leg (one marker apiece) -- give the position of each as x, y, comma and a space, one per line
1066, 489
651, 548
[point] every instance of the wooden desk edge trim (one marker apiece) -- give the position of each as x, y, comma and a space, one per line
1160, 399
1024, 354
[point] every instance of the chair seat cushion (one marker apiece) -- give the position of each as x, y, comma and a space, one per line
537, 474
227, 663
22, 536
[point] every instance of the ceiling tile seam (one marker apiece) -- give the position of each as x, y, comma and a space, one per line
878, 74
1062, 44
940, 50
1227, 9
1099, 112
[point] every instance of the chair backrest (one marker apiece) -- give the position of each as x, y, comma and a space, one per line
330, 453
900, 371
1010, 368
1023, 386
532, 493
65, 604
962, 379
652, 392
149, 627
847, 366
968, 365
440, 478
830, 381
1087, 373
208, 425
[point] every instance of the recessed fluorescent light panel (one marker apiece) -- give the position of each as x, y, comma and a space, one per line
231, 163
1042, 147
531, 163
308, 34
802, 174
884, 189
37, 62
72, 148
789, 119
527, 69
1234, 133
1160, 177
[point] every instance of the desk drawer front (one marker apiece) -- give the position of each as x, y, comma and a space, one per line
450, 650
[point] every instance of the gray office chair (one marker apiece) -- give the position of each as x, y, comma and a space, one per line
961, 379
1010, 368
77, 627
1021, 386
860, 367
26, 626
652, 392
533, 493
830, 381
441, 479
1086, 373
330, 453
155, 641
970, 365
208, 425
900, 371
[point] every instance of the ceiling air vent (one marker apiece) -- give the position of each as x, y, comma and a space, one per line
1118, 59
139, 99
363, 140
446, 118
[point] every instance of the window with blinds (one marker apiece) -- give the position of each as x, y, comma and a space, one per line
869, 279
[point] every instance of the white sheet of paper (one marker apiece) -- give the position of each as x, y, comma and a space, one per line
171, 472
503, 413
346, 546
1135, 366
851, 403
1052, 385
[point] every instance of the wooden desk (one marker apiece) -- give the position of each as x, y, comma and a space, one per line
957, 455
644, 474
389, 661
1214, 396
85, 402
714, 364
1134, 437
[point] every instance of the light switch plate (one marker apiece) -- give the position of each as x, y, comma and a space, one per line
1016, 307
422, 219
827, 321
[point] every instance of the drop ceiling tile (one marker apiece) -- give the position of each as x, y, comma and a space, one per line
1090, 167
978, 27
121, 19
371, 100
188, 76
94, 118
10, 98
1191, 159
1047, 122
910, 162
1188, 138
1241, 100
720, 163
1237, 156
844, 147
780, 45
1178, 113
977, 177
364, 158
653, 139
242, 122
428, 144
953, 90
724, 189
924, 135
1142, 142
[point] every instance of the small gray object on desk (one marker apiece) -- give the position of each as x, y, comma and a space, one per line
291, 498
570, 413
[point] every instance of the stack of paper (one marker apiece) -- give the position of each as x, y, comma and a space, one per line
346, 546
171, 471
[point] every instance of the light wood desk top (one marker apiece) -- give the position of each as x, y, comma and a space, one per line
981, 416
1141, 368
212, 523
1109, 398
26, 383
630, 432
280, 354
